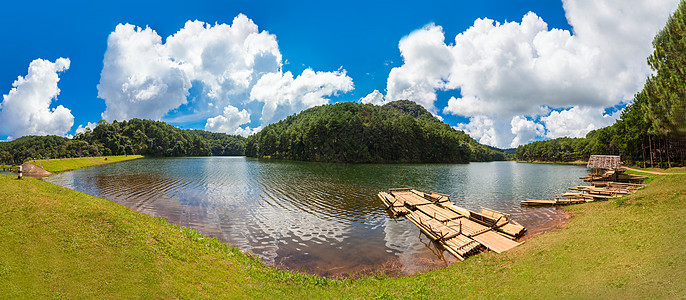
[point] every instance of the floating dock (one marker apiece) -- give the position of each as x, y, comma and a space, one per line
460, 231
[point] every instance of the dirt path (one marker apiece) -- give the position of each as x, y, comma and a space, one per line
653, 172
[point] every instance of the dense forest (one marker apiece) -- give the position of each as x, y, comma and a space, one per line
400, 131
652, 130
135, 136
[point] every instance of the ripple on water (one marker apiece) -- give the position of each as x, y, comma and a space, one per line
319, 218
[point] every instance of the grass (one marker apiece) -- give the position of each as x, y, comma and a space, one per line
60, 243
659, 170
68, 164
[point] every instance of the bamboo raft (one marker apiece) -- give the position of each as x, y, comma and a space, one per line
460, 231
599, 191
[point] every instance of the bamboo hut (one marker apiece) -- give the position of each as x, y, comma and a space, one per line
606, 162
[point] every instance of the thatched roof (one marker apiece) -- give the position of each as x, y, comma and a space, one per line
607, 162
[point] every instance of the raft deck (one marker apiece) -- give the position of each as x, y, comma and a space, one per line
460, 231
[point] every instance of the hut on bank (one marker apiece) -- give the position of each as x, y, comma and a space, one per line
608, 168
605, 162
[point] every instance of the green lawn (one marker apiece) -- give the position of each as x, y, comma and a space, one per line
68, 164
60, 243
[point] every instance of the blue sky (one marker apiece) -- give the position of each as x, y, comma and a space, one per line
359, 38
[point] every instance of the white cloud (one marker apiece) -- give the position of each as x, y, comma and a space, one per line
513, 69
427, 65
375, 97
524, 130
25, 110
283, 95
229, 66
576, 121
82, 128
138, 78
230, 121
481, 128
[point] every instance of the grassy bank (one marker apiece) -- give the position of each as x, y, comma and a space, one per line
60, 243
68, 164
668, 171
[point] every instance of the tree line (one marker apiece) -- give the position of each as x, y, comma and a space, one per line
652, 130
350, 132
135, 136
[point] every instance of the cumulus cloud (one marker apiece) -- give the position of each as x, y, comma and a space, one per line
25, 110
82, 129
138, 78
480, 128
375, 97
576, 121
282, 94
229, 122
503, 70
524, 130
234, 69
427, 61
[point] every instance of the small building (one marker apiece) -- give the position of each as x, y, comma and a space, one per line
606, 162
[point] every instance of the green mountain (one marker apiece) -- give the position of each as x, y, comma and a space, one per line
400, 131
134, 136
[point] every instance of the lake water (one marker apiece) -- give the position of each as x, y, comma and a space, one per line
317, 217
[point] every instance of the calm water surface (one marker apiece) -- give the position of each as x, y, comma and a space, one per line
317, 217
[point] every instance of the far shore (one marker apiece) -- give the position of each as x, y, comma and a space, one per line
576, 162
57, 165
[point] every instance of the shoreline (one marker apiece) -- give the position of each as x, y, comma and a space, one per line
120, 247
58, 165
576, 162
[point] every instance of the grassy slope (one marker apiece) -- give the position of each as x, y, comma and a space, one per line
670, 170
68, 164
58, 242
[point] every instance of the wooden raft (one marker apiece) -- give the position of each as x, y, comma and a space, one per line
460, 231
599, 191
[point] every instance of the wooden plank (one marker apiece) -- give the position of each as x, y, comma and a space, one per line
462, 245
436, 229
466, 226
495, 241
392, 201
457, 209
534, 202
514, 230
411, 199
438, 213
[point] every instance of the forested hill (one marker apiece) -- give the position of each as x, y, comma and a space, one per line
145, 137
400, 131
651, 130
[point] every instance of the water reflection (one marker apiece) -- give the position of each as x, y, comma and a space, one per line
316, 217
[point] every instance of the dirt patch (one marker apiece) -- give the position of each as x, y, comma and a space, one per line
30, 169
550, 225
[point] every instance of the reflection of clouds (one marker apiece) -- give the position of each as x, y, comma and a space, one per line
261, 217
316, 216
400, 235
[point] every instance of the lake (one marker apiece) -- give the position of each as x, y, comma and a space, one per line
320, 218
